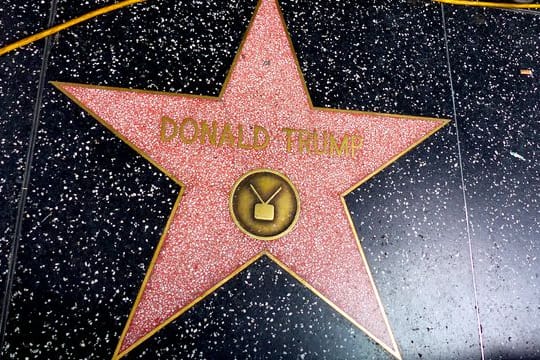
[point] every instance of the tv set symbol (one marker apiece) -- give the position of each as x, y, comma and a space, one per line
264, 204
264, 210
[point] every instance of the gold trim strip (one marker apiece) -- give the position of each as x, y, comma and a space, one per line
489, 4
55, 29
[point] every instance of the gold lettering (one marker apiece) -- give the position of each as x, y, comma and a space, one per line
241, 144
226, 136
182, 133
259, 130
339, 150
304, 138
289, 132
167, 123
302, 141
316, 142
207, 134
356, 143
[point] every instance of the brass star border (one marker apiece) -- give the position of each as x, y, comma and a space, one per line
118, 353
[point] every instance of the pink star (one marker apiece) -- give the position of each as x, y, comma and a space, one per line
201, 247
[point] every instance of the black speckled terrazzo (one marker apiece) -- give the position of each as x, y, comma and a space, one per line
371, 55
95, 209
164, 45
19, 77
499, 120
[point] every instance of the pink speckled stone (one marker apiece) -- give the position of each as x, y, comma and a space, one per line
203, 245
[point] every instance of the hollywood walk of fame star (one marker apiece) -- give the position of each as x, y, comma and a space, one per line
263, 122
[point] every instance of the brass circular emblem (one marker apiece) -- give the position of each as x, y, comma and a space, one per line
264, 204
